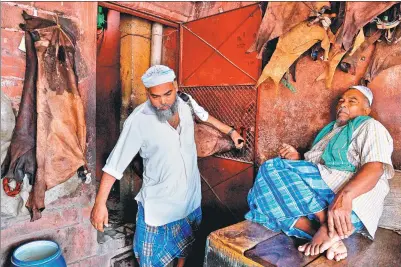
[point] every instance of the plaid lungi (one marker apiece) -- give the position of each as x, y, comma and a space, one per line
157, 246
285, 190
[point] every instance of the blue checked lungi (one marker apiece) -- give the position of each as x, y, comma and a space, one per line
285, 190
157, 246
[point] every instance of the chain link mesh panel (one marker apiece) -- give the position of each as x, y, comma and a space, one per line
235, 106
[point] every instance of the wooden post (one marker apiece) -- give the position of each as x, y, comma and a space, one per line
134, 60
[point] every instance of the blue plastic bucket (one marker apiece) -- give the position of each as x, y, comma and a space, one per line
43, 253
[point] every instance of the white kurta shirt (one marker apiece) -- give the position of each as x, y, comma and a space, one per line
371, 142
171, 187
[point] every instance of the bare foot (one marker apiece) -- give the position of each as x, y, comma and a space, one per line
337, 251
320, 242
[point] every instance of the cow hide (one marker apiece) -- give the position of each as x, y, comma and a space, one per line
60, 124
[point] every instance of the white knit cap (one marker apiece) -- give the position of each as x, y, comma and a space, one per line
157, 74
364, 90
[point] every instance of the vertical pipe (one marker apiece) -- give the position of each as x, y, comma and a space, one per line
157, 41
181, 39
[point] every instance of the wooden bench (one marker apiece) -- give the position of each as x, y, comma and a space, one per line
250, 244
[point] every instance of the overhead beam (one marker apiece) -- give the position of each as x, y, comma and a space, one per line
123, 9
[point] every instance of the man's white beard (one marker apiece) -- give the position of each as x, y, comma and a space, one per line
165, 115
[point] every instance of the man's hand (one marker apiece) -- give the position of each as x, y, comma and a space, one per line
339, 216
289, 152
237, 139
99, 216
339, 212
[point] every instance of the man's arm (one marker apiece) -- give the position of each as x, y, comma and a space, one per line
99, 214
205, 117
128, 145
224, 128
339, 212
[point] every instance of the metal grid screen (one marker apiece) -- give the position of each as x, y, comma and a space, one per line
234, 105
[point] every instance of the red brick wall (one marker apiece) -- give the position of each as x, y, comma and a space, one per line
67, 220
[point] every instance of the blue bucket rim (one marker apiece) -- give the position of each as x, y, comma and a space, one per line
16, 261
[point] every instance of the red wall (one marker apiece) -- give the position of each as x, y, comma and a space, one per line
170, 49
108, 91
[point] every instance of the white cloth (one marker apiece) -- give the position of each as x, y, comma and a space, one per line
199, 111
371, 142
171, 187
156, 75
365, 91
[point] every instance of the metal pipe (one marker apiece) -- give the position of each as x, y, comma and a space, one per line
156, 45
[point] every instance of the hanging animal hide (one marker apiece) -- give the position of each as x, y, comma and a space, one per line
357, 15
336, 54
21, 155
280, 18
385, 56
61, 128
210, 141
351, 61
290, 47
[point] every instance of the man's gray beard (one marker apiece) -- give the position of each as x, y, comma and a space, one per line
165, 115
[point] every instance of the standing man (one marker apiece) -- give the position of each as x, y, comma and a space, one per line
162, 130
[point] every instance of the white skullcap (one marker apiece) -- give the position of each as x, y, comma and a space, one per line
365, 91
157, 74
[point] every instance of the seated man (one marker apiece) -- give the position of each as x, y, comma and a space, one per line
341, 184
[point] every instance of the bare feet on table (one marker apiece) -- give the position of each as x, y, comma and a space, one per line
320, 242
338, 251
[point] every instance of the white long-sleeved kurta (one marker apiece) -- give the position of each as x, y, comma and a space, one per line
171, 186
